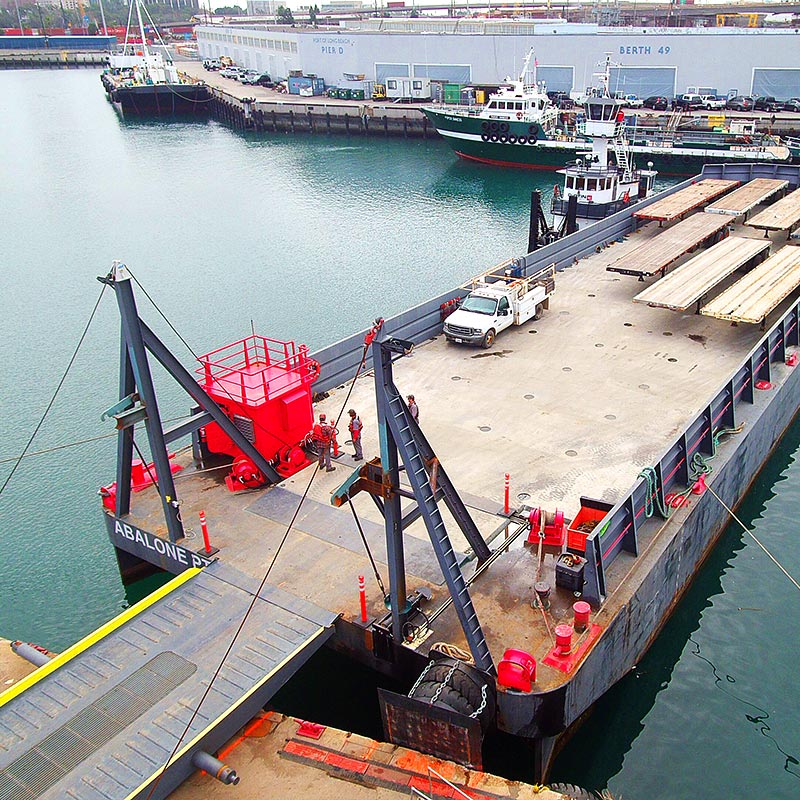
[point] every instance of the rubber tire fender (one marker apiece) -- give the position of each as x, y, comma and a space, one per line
460, 681
484, 126
503, 127
485, 137
512, 139
449, 697
523, 140
493, 126
533, 128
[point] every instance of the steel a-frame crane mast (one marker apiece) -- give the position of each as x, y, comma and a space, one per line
138, 403
402, 440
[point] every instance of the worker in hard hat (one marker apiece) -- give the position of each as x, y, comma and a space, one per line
322, 436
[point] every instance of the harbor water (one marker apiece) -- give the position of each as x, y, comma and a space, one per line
310, 238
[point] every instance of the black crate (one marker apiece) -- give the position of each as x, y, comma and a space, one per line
569, 572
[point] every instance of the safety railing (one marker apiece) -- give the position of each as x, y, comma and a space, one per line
252, 368
618, 530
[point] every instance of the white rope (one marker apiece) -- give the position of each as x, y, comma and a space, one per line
755, 539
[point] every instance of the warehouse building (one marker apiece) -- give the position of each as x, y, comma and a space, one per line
651, 61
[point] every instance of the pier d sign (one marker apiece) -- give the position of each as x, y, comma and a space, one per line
161, 552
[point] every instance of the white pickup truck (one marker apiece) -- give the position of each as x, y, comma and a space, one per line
712, 103
496, 300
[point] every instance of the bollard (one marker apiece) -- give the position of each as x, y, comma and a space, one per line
563, 639
362, 594
204, 527
507, 504
582, 610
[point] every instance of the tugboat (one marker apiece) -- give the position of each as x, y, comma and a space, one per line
519, 113
142, 83
606, 179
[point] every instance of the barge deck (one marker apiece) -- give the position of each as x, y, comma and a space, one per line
600, 404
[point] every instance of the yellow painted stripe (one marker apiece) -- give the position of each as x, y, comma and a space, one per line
216, 722
94, 637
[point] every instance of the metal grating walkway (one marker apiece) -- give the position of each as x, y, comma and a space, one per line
101, 720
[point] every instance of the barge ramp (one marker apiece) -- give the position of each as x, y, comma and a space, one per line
102, 719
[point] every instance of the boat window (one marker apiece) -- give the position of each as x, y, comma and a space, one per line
491, 104
520, 106
570, 182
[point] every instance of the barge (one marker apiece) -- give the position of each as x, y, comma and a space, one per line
143, 83
522, 538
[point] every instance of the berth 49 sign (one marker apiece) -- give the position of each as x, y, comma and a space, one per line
165, 554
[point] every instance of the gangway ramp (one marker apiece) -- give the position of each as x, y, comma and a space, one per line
685, 200
752, 297
741, 202
781, 216
691, 281
100, 720
658, 252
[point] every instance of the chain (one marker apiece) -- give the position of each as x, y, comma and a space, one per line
477, 712
443, 684
420, 679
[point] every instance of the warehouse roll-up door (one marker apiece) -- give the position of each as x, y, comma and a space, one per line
384, 71
643, 81
447, 73
780, 83
557, 79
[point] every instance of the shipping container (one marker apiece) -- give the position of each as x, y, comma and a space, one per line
306, 86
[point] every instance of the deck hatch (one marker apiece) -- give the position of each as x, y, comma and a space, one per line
61, 751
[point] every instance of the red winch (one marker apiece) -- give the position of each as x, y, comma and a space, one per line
554, 527
264, 387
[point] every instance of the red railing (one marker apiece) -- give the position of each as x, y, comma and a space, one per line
257, 366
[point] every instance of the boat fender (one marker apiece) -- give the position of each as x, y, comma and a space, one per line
503, 138
484, 126
503, 127
519, 115
485, 137
494, 126
533, 128
512, 139
523, 140
494, 137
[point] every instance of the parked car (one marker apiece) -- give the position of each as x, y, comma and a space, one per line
249, 76
711, 102
740, 103
212, 64
632, 101
230, 72
656, 102
792, 104
766, 103
254, 78
688, 102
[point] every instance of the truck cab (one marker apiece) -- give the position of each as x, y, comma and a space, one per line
497, 300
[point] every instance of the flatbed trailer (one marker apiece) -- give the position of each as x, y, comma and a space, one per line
680, 203
657, 253
692, 281
741, 201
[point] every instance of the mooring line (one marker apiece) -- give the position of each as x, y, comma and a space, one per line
755, 539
